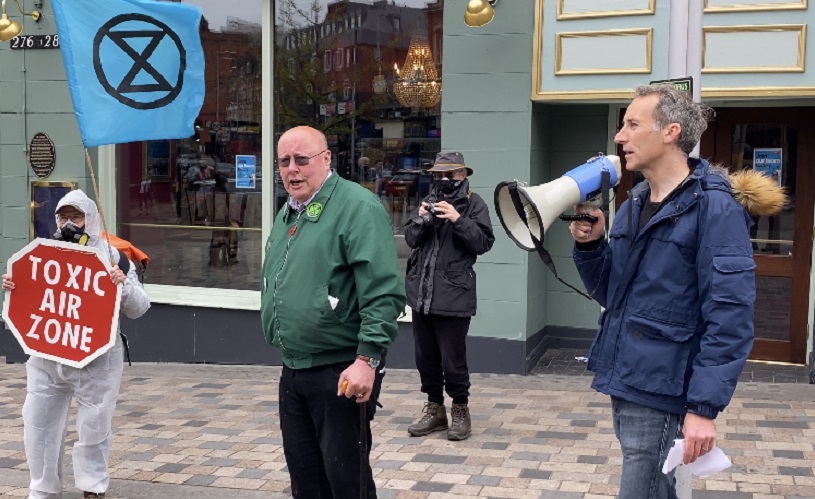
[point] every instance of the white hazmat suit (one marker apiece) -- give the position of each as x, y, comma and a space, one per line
96, 387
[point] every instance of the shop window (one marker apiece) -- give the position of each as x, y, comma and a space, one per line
194, 204
376, 141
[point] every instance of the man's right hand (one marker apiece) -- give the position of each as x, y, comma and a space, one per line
423, 209
7, 284
584, 231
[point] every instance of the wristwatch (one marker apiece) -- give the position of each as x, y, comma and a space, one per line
372, 363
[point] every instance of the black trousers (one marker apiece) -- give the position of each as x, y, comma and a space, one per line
321, 433
441, 356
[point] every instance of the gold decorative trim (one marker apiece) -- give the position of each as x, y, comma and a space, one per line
537, 49
39, 211
757, 92
193, 227
800, 66
647, 32
707, 93
743, 7
649, 11
585, 95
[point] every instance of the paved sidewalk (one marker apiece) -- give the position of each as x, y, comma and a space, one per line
211, 432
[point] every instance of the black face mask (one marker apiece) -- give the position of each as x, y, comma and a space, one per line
447, 186
72, 234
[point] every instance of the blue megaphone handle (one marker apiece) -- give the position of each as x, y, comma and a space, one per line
589, 176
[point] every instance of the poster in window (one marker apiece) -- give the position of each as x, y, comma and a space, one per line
156, 159
245, 167
44, 198
769, 161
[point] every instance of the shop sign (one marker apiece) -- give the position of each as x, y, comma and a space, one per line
64, 306
684, 84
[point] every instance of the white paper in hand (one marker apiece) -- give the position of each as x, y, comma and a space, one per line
709, 464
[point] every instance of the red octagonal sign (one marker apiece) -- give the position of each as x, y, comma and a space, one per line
64, 306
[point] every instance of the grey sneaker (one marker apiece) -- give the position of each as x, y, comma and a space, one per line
460, 429
434, 418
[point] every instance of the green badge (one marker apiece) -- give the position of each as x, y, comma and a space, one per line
313, 210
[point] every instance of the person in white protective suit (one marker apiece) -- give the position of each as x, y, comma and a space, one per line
96, 386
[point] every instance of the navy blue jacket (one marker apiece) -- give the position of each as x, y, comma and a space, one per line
678, 295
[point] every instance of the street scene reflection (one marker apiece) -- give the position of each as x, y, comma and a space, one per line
367, 74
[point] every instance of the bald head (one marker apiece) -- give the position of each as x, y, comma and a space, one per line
305, 133
303, 160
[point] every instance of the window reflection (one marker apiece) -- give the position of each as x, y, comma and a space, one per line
771, 149
183, 201
336, 67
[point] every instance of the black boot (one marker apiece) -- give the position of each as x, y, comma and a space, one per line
460, 429
434, 418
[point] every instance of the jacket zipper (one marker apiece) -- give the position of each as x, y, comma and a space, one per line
274, 293
653, 221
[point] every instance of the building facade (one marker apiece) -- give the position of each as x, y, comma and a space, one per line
532, 94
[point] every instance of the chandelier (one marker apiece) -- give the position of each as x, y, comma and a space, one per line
417, 84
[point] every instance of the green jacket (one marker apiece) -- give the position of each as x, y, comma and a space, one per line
331, 285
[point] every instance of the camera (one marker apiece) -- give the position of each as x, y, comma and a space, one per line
431, 212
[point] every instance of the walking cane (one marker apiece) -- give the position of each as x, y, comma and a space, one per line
363, 451
363, 446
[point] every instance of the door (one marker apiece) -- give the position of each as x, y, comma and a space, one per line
780, 142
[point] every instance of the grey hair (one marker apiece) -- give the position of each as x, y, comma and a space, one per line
676, 106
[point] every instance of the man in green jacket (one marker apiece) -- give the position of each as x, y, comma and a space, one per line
331, 292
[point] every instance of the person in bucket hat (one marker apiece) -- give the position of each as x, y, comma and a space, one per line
447, 232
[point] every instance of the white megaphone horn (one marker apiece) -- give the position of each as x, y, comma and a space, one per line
534, 208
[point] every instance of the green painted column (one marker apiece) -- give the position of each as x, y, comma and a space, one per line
486, 114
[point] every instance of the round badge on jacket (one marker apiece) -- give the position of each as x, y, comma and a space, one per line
313, 210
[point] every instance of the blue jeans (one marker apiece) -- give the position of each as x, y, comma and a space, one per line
646, 435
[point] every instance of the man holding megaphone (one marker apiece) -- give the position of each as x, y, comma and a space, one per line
677, 283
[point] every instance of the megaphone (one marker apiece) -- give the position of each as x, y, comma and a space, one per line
534, 208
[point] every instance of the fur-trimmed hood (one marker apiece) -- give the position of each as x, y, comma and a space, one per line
760, 195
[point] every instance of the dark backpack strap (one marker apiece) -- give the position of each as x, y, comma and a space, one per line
124, 266
542, 253
124, 262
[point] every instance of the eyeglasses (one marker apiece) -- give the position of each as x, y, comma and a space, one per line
298, 160
76, 218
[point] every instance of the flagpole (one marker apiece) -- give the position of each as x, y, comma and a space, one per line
99, 204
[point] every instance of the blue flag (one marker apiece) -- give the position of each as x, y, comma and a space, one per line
135, 68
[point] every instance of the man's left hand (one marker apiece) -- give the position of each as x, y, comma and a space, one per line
360, 379
446, 210
700, 436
